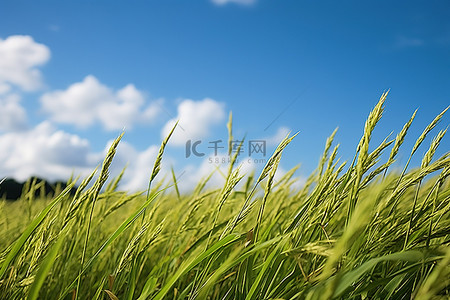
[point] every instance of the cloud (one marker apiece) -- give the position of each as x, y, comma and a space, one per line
88, 102
218, 165
13, 116
19, 58
191, 175
297, 181
195, 120
274, 140
4, 88
139, 165
53, 154
241, 2
43, 151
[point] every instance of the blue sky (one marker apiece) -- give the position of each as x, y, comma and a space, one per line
76, 73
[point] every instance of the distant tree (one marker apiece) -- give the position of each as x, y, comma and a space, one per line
10, 189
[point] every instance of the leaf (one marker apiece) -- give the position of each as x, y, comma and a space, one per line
44, 268
226, 241
253, 293
351, 277
127, 223
30, 229
111, 295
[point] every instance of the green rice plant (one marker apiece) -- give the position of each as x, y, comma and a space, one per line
353, 230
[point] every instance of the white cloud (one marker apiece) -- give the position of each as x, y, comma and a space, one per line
12, 115
43, 151
194, 174
4, 88
195, 120
274, 140
297, 181
242, 2
19, 58
53, 154
217, 165
139, 165
88, 102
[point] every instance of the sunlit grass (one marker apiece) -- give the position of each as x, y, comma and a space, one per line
354, 230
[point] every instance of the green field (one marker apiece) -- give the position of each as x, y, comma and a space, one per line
355, 230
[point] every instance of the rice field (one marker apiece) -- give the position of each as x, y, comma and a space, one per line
355, 230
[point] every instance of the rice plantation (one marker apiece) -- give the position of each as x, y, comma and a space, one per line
360, 229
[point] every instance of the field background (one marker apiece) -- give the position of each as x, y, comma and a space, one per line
354, 230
